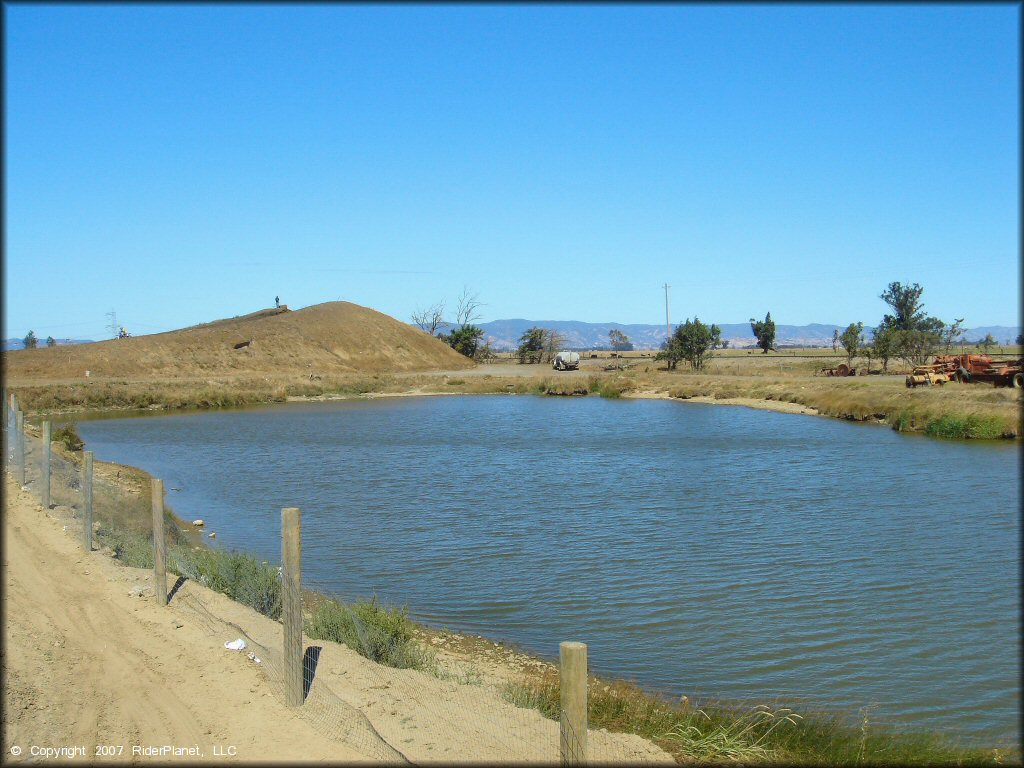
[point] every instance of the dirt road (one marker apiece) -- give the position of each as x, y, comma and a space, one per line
88, 664
95, 669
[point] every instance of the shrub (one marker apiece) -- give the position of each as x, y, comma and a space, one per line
380, 633
69, 437
240, 576
131, 547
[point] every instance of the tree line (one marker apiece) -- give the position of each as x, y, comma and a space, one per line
906, 333
31, 342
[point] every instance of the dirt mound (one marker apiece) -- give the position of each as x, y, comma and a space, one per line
336, 337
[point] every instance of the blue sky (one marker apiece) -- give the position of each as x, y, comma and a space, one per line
183, 163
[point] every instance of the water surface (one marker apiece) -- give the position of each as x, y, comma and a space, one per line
699, 549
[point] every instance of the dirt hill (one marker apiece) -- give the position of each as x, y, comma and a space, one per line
336, 337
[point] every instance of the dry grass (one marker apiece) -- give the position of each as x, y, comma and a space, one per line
955, 410
333, 338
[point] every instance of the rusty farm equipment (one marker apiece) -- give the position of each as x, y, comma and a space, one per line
840, 370
1002, 373
927, 375
969, 368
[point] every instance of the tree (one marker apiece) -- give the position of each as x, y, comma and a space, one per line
851, 339
987, 342
620, 342
465, 337
835, 340
952, 333
539, 345
531, 345
916, 335
464, 340
467, 309
696, 341
670, 352
692, 341
553, 343
884, 345
30, 341
51, 342
430, 319
906, 303
764, 332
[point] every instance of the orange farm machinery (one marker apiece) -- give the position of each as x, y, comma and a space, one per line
969, 368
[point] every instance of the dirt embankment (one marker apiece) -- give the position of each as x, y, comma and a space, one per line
95, 669
331, 338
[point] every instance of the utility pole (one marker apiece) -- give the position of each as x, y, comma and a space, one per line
668, 325
112, 326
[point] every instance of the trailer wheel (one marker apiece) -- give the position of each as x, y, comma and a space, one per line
910, 383
1018, 380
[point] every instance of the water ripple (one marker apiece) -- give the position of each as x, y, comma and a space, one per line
697, 549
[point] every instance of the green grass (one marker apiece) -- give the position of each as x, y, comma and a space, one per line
970, 426
715, 733
380, 633
131, 547
605, 387
384, 634
240, 576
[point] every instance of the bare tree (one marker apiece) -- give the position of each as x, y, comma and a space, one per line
430, 319
952, 333
468, 308
553, 342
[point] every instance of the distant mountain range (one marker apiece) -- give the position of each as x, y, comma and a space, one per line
505, 334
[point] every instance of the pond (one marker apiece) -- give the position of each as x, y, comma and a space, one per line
720, 552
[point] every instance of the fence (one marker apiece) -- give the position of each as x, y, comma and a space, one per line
357, 671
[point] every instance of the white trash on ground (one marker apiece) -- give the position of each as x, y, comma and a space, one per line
235, 645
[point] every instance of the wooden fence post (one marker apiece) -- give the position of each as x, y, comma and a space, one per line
573, 684
44, 468
87, 500
159, 545
13, 409
291, 604
19, 446
8, 429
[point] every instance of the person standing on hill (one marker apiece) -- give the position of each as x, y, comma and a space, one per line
277, 302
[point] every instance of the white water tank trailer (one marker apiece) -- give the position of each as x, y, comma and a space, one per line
566, 361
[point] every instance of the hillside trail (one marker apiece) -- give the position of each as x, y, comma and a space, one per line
91, 661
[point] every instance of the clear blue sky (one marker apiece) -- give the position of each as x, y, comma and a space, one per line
183, 163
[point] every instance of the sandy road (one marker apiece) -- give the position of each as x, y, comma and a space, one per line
92, 663
86, 664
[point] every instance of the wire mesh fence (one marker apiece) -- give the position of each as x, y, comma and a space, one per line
364, 675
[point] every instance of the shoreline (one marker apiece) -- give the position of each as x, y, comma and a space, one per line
464, 657
965, 412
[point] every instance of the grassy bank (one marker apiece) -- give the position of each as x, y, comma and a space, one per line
958, 411
691, 732
971, 411
715, 733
